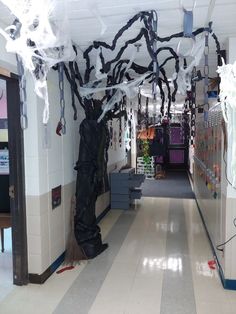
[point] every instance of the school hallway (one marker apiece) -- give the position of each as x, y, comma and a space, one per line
157, 262
117, 157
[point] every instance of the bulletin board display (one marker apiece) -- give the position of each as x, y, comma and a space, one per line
208, 151
176, 156
4, 161
176, 135
3, 112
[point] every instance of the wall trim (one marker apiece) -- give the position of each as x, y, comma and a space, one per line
40, 279
190, 176
191, 180
103, 214
229, 284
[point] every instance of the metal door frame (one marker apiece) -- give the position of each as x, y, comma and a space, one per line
17, 181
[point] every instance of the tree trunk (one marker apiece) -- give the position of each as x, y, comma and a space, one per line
92, 180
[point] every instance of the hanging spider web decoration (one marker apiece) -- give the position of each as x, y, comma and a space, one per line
39, 36
227, 74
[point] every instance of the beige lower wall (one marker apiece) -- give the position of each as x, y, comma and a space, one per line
230, 248
48, 229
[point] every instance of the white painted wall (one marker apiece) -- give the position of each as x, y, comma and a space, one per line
49, 164
219, 214
49, 158
230, 208
7, 60
232, 50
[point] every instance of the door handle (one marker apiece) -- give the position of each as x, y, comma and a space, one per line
12, 191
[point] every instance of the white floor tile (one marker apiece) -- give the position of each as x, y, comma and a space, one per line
27, 299
215, 307
6, 270
134, 283
210, 296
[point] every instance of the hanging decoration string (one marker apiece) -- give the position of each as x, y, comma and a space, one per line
188, 30
206, 69
156, 69
139, 108
14, 33
61, 127
192, 98
147, 114
23, 94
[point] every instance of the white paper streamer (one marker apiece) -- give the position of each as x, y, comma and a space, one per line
98, 74
130, 89
184, 75
227, 95
93, 8
50, 41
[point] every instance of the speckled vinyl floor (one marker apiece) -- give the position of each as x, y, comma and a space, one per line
157, 262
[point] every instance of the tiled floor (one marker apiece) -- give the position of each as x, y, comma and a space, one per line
156, 263
6, 272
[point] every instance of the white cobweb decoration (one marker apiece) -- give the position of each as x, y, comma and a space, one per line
227, 74
184, 75
40, 38
128, 88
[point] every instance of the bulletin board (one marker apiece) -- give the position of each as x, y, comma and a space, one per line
3, 112
208, 151
4, 161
